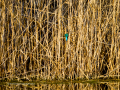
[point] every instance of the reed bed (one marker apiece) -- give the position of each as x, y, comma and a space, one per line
33, 45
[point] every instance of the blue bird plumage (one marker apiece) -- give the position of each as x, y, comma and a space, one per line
66, 36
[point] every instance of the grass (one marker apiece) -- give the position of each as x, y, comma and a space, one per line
33, 46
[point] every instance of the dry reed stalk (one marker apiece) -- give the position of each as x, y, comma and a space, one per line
2, 36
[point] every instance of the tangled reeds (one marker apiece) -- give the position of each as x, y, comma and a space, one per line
33, 44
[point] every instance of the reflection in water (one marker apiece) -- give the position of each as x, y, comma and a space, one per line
67, 86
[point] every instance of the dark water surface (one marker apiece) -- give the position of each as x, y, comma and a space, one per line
63, 85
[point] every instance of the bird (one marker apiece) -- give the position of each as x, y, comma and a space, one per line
66, 36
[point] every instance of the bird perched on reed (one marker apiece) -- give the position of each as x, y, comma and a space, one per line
66, 36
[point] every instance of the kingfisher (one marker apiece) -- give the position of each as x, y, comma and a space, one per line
66, 36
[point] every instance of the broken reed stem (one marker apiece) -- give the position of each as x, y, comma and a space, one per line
33, 41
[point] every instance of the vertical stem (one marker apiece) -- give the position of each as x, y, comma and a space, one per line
55, 41
13, 55
118, 40
69, 30
113, 30
99, 37
30, 41
88, 39
2, 36
48, 39
94, 31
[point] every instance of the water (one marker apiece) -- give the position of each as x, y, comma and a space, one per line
112, 85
